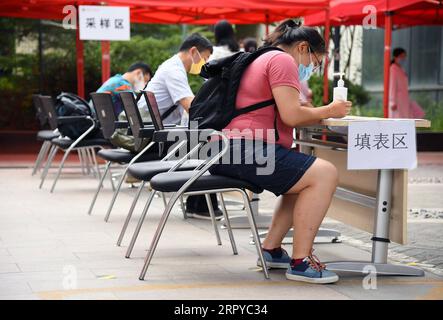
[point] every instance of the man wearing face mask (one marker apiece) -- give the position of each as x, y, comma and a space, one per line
170, 82
134, 79
174, 96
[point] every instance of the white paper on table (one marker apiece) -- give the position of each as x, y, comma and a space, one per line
382, 144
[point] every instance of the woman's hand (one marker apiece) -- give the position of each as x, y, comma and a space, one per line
339, 108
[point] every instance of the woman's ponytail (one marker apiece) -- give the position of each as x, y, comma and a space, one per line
290, 32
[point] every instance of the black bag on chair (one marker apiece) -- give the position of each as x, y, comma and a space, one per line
68, 105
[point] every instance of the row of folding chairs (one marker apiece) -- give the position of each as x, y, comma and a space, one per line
53, 142
183, 175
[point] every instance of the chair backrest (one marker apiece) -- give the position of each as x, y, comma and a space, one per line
133, 115
153, 110
104, 108
48, 107
40, 113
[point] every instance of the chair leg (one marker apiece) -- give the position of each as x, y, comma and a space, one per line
255, 233
212, 214
183, 207
139, 224
111, 178
100, 185
82, 161
165, 203
95, 171
51, 156
97, 168
40, 156
228, 223
60, 168
45, 156
114, 197
116, 192
157, 236
90, 161
128, 217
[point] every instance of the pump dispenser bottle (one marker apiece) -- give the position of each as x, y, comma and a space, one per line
340, 91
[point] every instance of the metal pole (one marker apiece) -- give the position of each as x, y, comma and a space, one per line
336, 40
106, 60
325, 71
380, 240
80, 63
387, 59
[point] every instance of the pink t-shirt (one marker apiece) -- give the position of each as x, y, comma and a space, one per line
270, 70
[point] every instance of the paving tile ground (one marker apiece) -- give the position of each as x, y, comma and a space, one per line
51, 249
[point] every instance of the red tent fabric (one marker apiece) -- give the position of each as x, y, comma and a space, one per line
175, 11
171, 12
406, 12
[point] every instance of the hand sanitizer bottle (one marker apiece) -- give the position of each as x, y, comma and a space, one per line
340, 91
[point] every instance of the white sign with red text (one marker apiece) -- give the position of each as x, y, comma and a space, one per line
104, 23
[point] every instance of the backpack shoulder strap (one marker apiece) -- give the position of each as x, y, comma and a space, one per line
169, 111
254, 107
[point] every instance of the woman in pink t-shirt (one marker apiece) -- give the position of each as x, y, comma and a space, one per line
260, 147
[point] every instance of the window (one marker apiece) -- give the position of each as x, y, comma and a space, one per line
425, 55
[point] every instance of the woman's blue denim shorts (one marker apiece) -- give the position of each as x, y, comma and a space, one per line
269, 166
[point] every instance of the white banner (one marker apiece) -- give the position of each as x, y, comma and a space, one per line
104, 23
387, 144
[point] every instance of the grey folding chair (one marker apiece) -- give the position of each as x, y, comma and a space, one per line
140, 132
44, 136
108, 123
196, 182
86, 146
144, 171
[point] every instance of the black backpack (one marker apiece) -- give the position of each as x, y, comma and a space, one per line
214, 105
68, 105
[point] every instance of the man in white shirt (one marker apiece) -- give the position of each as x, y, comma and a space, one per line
174, 96
170, 82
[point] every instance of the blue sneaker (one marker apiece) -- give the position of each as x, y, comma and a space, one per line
277, 260
312, 271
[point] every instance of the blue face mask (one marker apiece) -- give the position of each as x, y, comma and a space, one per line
305, 72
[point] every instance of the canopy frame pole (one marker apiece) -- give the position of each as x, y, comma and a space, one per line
325, 71
106, 60
80, 61
387, 60
267, 24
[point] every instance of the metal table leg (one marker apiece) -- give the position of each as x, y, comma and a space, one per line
380, 241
